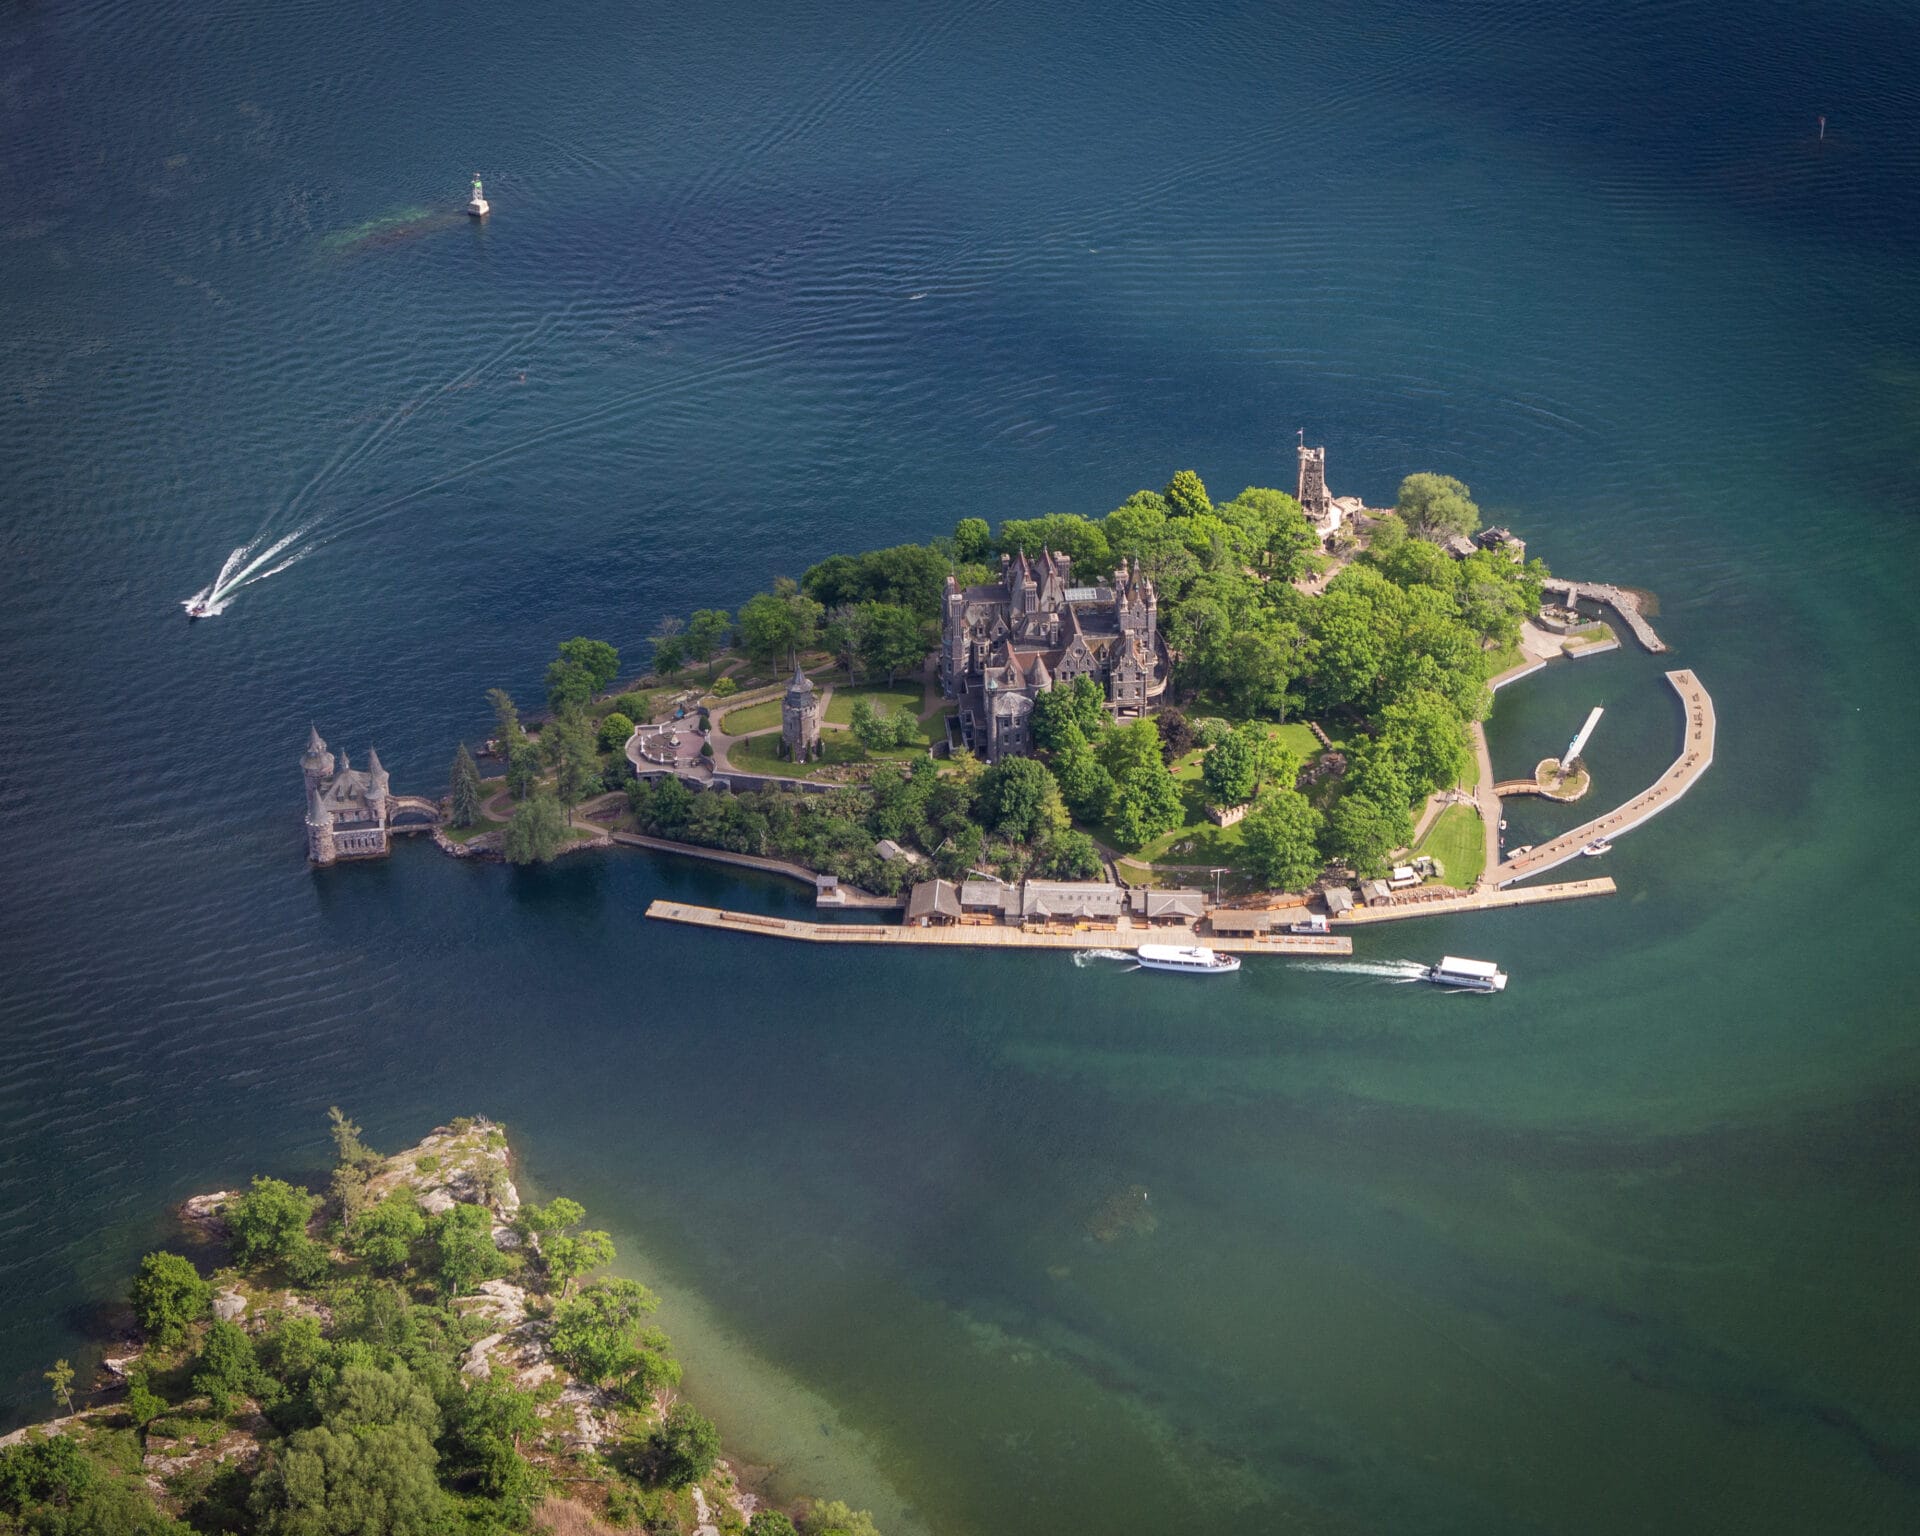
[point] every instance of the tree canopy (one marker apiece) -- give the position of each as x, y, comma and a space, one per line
1436, 506
537, 832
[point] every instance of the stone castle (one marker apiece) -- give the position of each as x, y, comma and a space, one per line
800, 718
1005, 643
351, 812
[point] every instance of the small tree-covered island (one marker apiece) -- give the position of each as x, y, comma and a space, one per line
415, 1351
1249, 720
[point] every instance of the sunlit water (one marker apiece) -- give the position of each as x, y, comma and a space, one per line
1628, 1247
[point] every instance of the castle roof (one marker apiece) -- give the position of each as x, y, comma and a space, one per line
315, 746
802, 685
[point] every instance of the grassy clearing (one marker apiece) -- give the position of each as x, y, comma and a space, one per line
753, 717
1458, 842
888, 700
761, 754
467, 834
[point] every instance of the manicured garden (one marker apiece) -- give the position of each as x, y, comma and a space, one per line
761, 754
751, 717
887, 700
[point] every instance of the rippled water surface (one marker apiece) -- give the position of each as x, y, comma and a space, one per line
1630, 1247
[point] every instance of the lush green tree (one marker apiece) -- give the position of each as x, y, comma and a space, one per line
637, 707
910, 576
683, 1449
769, 627
269, 1223
538, 830
1085, 785
972, 540
44, 1469
1231, 770
1428, 737
169, 1296
1254, 668
485, 1427
1186, 496
291, 1349
1280, 840
601, 1336
583, 668
1081, 704
144, 1405
369, 1467
1070, 856
1081, 539
570, 1255
569, 750
877, 731
669, 645
1271, 533
1436, 506
463, 788
1362, 832
892, 639
707, 631
615, 728
463, 1249
523, 769
830, 1517
384, 1234
226, 1369
770, 1522
1019, 799
506, 720
60, 1378
1145, 799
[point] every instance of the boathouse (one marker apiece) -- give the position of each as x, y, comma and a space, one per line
1173, 907
933, 904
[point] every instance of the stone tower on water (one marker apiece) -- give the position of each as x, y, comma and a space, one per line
347, 810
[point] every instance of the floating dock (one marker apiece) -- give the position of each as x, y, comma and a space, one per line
1478, 901
993, 936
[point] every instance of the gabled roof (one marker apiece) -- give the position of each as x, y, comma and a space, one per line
933, 898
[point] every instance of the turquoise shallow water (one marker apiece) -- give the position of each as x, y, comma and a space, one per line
1629, 1247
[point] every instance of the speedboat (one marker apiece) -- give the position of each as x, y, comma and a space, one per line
1195, 958
1595, 849
1467, 975
197, 608
1514, 853
1312, 922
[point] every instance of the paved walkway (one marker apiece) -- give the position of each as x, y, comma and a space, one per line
1488, 803
1696, 756
991, 935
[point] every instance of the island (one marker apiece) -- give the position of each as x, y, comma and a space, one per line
1240, 723
414, 1352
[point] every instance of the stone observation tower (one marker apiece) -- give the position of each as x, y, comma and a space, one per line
800, 718
1314, 498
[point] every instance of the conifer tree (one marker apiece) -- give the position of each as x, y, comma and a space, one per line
464, 790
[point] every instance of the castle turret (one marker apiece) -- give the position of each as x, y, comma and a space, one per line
320, 847
800, 718
316, 762
376, 783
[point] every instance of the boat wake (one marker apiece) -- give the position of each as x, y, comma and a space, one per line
1085, 957
245, 566
1379, 970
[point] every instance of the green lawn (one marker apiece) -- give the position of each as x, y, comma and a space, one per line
1458, 842
751, 717
761, 754
468, 834
1471, 778
887, 700
1591, 634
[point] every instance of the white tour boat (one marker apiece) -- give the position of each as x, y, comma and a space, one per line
1196, 958
1467, 975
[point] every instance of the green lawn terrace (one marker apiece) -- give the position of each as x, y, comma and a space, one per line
763, 754
1457, 843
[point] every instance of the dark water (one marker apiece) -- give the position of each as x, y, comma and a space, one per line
1631, 1247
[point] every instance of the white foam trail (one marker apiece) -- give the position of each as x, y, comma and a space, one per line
1081, 957
1384, 970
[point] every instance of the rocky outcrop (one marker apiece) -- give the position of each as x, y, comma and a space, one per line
208, 1212
228, 1305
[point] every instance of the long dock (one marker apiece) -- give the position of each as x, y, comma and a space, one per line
990, 936
1696, 756
1618, 599
1478, 901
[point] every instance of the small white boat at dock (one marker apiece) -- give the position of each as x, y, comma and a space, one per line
1467, 975
1194, 958
1593, 850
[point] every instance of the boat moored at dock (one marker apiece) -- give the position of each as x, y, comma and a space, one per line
1467, 975
1194, 958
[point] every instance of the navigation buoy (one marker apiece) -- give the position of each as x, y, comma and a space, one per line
477, 205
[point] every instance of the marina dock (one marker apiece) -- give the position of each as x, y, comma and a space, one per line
1622, 602
1696, 756
992, 936
1477, 901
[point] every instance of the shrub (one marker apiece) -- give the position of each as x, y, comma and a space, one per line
269, 1224
614, 731
725, 688
684, 1448
168, 1294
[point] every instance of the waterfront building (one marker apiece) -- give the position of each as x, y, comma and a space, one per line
800, 718
347, 809
933, 904
1177, 905
1325, 512
1004, 643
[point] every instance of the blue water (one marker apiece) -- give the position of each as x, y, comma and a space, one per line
1630, 1247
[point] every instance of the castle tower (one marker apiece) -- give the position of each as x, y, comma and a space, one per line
376, 786
1314, 498
316, 762
800, 718
320, 847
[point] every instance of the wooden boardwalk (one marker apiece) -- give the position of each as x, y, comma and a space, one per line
989, 936
1619, 600
1696, 756
1478, 901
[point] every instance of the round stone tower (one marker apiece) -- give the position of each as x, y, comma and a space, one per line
800, 718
